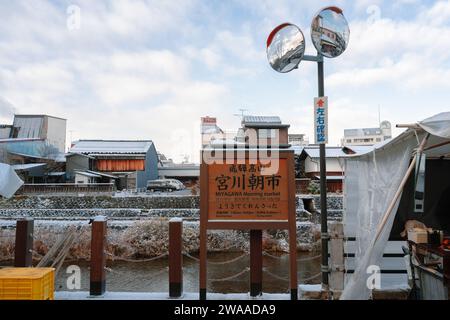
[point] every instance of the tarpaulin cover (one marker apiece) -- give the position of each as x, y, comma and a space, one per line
9, 181
371, 181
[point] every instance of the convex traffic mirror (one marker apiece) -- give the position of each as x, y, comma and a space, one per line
330, 32
285, 47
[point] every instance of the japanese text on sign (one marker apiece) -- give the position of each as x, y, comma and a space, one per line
242, 192
321, 120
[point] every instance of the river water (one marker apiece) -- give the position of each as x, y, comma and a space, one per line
152, 276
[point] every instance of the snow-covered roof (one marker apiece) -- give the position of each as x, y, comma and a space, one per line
71, 154
102, 174
314, 152
269, 122
261, 119
111, 146
332, 178
94, 174
56, 174
7, 140
27, 166
360, 149
88, 174
362, 132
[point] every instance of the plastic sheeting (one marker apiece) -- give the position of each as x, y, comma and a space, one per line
370, 184
371, 181
9, 181
438, 125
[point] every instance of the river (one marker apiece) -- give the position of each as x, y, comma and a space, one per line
152, 276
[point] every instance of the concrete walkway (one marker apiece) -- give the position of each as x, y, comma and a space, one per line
84, 295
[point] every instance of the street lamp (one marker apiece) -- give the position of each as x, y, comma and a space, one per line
285, 50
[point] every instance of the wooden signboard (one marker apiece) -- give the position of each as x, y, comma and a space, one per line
244, 192
248, 192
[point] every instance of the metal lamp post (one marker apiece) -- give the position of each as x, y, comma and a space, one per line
285, 50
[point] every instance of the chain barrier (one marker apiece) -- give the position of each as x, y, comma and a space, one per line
229, 261
313, 277
191, 257
287, 279
266, 253
115, 258
160, 272
217, 262
309, 258
274, 275
299, 259
224, 249
232, 277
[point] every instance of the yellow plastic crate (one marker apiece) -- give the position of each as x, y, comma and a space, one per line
27, 283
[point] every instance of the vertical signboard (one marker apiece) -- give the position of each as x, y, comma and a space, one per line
321, 120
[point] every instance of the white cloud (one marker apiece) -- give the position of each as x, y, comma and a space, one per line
406, 54
150, 69
437, 15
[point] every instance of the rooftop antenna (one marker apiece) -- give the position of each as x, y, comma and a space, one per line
379, 115
242, 113
71, 134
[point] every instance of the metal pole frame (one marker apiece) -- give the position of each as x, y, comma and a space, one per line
323, 179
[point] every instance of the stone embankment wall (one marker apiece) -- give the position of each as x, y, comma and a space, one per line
135, 207
138, 226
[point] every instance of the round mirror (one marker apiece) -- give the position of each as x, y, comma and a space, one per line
285, 47
330, 32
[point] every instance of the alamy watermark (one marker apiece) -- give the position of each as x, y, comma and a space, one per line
73, 281
73, 21
374, 279
252, 146
374, 14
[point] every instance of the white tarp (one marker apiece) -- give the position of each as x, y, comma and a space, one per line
437, 125
9, 181
371, 180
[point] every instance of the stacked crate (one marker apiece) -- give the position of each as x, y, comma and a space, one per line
27, 283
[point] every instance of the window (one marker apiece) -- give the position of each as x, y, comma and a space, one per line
266, 133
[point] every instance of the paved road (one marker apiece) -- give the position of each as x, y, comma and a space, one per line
179, 192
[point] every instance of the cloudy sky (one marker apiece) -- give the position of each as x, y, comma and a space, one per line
140, 69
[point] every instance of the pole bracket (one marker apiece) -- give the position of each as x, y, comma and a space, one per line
325, 269
318, 58
325, 235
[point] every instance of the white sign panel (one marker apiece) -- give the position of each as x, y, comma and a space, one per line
321, 120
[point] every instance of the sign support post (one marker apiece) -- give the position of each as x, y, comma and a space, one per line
203, 230
323, 188
256, 263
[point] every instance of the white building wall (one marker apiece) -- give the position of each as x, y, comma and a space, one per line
313, 165
79, 178
30, 127
56, 133
4, 132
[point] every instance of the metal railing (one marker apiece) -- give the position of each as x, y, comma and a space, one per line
66, 188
